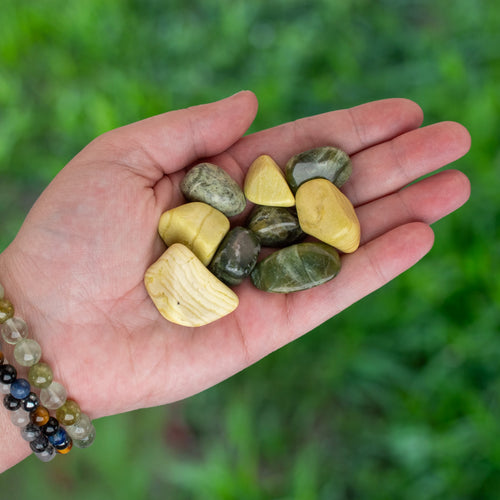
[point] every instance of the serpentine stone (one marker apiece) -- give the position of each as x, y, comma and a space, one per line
297, 267
210, 184
275, 226
236, 256
326, 162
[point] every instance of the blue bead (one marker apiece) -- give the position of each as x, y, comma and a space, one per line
60, 437
20, 388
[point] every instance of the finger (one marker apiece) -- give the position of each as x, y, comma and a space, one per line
351, 129
426, 201
165, 143
389, 166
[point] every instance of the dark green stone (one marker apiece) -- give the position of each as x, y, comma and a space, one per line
210, 184
326, 163
236, 256
297, 267
275, 226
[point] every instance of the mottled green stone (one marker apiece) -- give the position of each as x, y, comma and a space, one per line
236, 256
210, 184
326, 162
275, 226
297, 267
6, 310
40, 375
68, 413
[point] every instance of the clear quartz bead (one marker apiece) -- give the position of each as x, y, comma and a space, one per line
54, 396
20, 417
81, 429
87, 441
27, 352
14, 330
4, 388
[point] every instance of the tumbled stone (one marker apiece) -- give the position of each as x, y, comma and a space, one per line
211, 184
326, 162
327, 214
236, 256
265, 184
275, 226
184, 291
297, 267
196, 225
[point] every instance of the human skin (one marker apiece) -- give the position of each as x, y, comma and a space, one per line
75, 270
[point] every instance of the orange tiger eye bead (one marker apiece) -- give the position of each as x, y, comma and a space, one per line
40, 416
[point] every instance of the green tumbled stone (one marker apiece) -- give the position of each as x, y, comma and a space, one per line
327, 163
275, 226
40, 375
236, 256
297, 267
210, 184
6, 310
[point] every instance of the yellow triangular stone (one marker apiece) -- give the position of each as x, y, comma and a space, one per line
265, 184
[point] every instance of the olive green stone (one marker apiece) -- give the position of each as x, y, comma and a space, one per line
6, 310
275, 226
236, 256
210, 184
40, 375
68, 413
297, 267
327, 163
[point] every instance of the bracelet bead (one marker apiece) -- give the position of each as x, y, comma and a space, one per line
50, 427
40, 443
11, 403
13, 330
30, 432
40, 416
20, 388
27, 352
4, 388
20, 417
6, 310
8, 374
40, 375
31, 402
68, 413
61, 441
46, 455
53, 396
87, 440
81, 429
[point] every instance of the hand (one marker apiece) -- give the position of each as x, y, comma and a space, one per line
75, 270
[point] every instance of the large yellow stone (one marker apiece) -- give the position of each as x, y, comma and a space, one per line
327, 214
265, 184
185, 292
196, 225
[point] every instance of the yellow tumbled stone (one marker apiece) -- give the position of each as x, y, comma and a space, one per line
327, 214
196, 225
265, 184
184, 291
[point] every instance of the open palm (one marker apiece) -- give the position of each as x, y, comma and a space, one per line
75, 270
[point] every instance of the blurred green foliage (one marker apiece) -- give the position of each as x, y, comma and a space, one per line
398, 397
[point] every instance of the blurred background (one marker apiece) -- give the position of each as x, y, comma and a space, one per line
396, 398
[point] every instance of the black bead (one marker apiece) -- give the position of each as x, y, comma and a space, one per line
50, 427
11, 403
39, 444
31, 402
7, 374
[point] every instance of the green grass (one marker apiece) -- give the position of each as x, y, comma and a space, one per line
398, 397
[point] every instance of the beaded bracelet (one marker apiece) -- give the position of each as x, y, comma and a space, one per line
46, 434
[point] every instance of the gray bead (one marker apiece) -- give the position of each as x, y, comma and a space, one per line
236, 256
297, 267
275, 226
210, 184
327, 163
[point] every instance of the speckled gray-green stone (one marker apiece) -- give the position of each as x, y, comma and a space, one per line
297, 267
236, 256
275, 226
210, 184
327, 163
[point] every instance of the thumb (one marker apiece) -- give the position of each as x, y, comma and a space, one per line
175, 139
